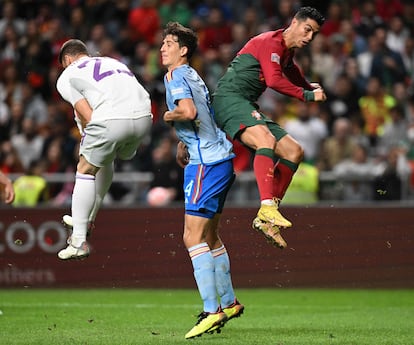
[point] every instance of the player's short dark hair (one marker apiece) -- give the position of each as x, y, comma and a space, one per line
186, 37
72, 47
309, 12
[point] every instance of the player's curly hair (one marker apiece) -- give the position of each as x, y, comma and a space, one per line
186, 37
309, 12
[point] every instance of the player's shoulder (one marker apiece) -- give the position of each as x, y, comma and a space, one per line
180, 72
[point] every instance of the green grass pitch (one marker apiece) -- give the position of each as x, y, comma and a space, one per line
272, 317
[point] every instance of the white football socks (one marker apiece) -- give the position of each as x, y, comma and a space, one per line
83, 200
103, 181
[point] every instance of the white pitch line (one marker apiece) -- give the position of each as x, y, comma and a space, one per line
96, 305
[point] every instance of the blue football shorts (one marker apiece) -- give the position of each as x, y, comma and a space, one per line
206, 187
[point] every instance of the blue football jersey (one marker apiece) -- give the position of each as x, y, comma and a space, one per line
206, 143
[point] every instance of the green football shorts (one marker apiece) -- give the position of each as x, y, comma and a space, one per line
234, 114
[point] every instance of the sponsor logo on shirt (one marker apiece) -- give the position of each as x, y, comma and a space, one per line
275, 58
177, 91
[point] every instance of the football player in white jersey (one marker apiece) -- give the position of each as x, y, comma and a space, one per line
113, 111
208, 176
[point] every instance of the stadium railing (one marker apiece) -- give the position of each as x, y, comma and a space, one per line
243, 192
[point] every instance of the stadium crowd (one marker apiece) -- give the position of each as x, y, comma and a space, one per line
363, 57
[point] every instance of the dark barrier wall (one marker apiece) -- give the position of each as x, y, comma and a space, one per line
327, 247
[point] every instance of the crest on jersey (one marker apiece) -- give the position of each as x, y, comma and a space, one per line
256, 115
275, 58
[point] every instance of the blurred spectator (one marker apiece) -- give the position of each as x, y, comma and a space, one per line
337, 147
285, 11
392, 182
107, 47
334, 16
354, 43
9, 18
14, 125
217, 31
408, 13
44, 17
395, 131
375, 107
5, 116
144, 21
167, 173
387, 9
369, 19
397, 34
31, 189
203, 9
364, 59
96, 36
356, 175
351, 70
29, 143
342, 100
387, 64
9, 44
304, 186
239, 37
35, 107
250, 22
59, 131
175, 11
408, 59
216, 68
308, 129
77, 28
9, 78
9, 159
35, 60
336, 44
410, 147
323, 61
402, 94
56, 36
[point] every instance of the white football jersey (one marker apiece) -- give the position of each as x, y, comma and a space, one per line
108, 85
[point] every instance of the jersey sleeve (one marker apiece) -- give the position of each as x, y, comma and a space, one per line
288, 81
295, 75
179, 89
68, 92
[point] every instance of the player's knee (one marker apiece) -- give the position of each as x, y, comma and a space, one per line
190, 237
295, 153
84, 167
299, 154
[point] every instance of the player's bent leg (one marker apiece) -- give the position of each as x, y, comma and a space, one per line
271, 232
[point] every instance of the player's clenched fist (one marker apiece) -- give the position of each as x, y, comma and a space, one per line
319, 95
182, 157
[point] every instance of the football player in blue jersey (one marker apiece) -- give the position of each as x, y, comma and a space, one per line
208, 159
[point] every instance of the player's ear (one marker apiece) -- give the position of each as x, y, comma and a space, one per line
183, 51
